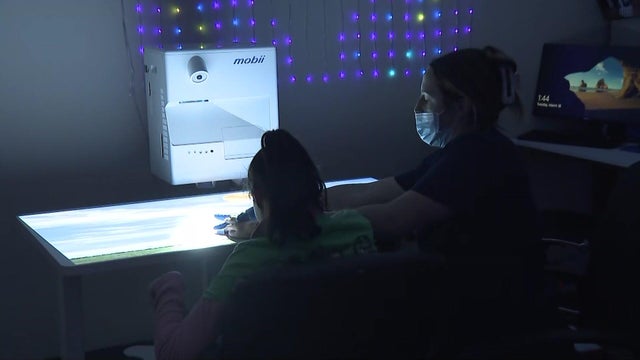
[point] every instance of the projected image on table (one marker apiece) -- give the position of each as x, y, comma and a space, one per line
99, 234
124, 231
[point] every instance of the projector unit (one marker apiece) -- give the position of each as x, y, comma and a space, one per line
207, 110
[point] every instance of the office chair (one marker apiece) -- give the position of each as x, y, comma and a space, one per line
601, 265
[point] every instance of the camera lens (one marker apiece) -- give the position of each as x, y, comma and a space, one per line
199, 77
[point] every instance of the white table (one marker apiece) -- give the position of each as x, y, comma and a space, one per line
105, 238
616, 156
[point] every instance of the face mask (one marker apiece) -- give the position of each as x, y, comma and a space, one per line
428, 125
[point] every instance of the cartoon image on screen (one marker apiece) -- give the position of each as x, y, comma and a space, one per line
595, 83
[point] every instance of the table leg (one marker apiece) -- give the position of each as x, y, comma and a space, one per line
71, 320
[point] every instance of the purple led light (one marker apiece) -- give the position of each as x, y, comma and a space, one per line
141, 49
438, 32
455, 48
421, 35
407, 72
391, 54
467, 29
359, 73
341, 37
216, 5
456, 30
309, 78
234, 2
251, 2
471, 11
423, 53
218, 25
138, 8
140, 29
374, 17
373, 36
288, 40
375, 73
253, 41
358, 35
342, 56
289, 60
274, 42
390, 35
273, 22
292, 78
355, 16
252, 22
158, 31
406, 17
342, 75
455, 12
407, 35
374, 55
325, 78
158, 10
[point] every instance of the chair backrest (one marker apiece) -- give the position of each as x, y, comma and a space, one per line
389, 305
357, 307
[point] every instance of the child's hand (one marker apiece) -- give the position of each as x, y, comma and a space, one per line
239, 231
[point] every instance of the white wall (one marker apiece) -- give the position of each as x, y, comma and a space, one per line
70, 136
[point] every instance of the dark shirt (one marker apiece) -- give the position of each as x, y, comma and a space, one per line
481, 178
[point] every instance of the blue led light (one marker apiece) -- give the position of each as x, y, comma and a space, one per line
392, 72
200, 7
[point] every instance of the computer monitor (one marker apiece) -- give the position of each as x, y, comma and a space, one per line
594, 85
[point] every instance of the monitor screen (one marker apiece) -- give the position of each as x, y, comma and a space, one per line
586, 82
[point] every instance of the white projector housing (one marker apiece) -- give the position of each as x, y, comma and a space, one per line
207, 110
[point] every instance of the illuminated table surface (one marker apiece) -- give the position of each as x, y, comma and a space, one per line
110, 237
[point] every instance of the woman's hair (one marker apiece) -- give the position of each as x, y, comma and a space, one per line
487, 77
284, 174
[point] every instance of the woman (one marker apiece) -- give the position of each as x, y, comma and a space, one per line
288, 197
471, 196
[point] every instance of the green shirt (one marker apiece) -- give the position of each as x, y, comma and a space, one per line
345, 232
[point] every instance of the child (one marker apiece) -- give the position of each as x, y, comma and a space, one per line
288, 196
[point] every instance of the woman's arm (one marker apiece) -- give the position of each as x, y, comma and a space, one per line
177, 336
354, 195
403, 216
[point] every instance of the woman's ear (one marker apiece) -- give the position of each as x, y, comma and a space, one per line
258, 197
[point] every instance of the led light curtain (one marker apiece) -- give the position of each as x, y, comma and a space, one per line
317, 41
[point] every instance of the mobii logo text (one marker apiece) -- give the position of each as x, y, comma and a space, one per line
251, 60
